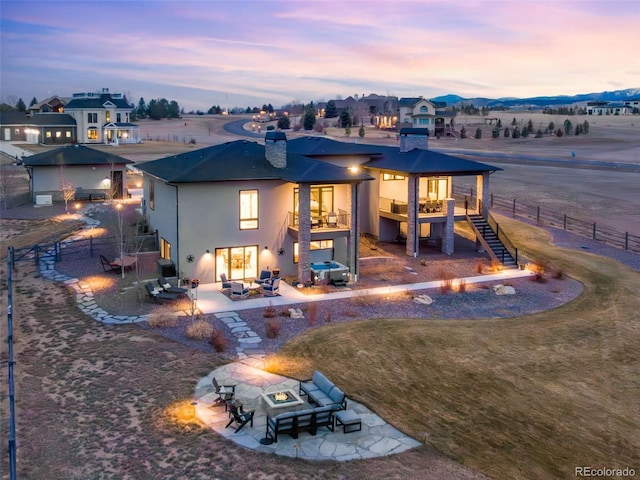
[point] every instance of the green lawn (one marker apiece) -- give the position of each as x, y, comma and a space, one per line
531, 397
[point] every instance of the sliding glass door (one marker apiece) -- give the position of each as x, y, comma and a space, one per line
237, 263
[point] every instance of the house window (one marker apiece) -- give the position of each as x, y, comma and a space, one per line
107, 116
165, 249
237, 263
438, 188
92, 134
423, 109
321, 201
423, 121
314, 245
58, 134
391, 176
152, 195
92, 117
118, 117
67, 134
248, 209
48, 134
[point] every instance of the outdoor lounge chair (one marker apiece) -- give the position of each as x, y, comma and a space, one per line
264, 276
224, 392
271, 289
166, 286
107, 266
157, 295
332, 220
238, 290
226, 284
239, 417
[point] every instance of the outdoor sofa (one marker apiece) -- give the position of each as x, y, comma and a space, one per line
292, 423
323, 392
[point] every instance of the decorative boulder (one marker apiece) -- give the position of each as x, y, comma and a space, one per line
504, 290
423, 299
295, 313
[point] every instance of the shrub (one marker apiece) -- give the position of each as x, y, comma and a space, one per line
462, 286
446, 286
199, 330
273, 328
313, 314
162, 321
218, 340
479, 266
478, 133
328, 317
269, 312
445, 274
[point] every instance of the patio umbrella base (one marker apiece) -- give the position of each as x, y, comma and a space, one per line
266, 441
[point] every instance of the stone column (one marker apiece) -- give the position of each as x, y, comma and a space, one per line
304, 232
412, 215
482, 197
447, 240
354, 231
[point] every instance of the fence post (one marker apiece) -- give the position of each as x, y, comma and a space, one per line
594, 230
564, 222
36, 253
57, 251
513, 213
491, 200
91, 245
538, 216
626, 240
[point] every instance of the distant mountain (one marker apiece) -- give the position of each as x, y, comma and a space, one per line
558, 100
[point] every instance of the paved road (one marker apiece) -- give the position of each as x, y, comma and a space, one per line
237, 128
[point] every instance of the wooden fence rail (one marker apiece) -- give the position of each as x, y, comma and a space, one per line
546, 217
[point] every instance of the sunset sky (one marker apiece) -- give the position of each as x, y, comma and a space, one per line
247, 53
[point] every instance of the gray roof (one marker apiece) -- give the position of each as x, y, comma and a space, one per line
427, 162
74, 155
320, 146
242, 160
97, 102
13, 118
52, 119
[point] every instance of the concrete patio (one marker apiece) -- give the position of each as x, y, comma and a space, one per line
377, 438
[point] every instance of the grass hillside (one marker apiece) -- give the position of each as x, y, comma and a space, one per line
531, 397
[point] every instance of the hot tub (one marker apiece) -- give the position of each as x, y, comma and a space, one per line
323, 273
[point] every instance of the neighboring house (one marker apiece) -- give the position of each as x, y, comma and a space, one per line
103, 117
44, 128
608, 108
241, 207
53, 104
87, 170
422, 113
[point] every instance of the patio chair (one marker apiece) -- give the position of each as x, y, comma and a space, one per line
107, 266
238, 290
157, 295
264, 276
239, 417
332, 220
271, 289
225, 393
166, 286
226, 284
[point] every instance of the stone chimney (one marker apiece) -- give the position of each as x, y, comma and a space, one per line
412, 138
275, 149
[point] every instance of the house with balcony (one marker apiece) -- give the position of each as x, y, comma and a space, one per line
241, 207
418, 112
103, 117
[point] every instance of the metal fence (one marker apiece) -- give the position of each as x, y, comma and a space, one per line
546, 217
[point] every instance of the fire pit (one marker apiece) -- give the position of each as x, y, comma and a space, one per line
281, 399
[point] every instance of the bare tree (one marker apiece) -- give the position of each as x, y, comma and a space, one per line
68, 190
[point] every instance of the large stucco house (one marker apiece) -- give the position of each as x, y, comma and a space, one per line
103, 117
242, 207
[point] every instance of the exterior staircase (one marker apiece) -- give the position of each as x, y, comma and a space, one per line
492, 242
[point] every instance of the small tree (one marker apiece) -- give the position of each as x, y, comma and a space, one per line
585, 127
530, 126
539, 133
567, 126
330, 111
552, 126
478, 133
559, 133
516, 132
463, 132
347, 131
361, 131
495, 133
514, 121
284, 123
525, 132
309, 117
507, 133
